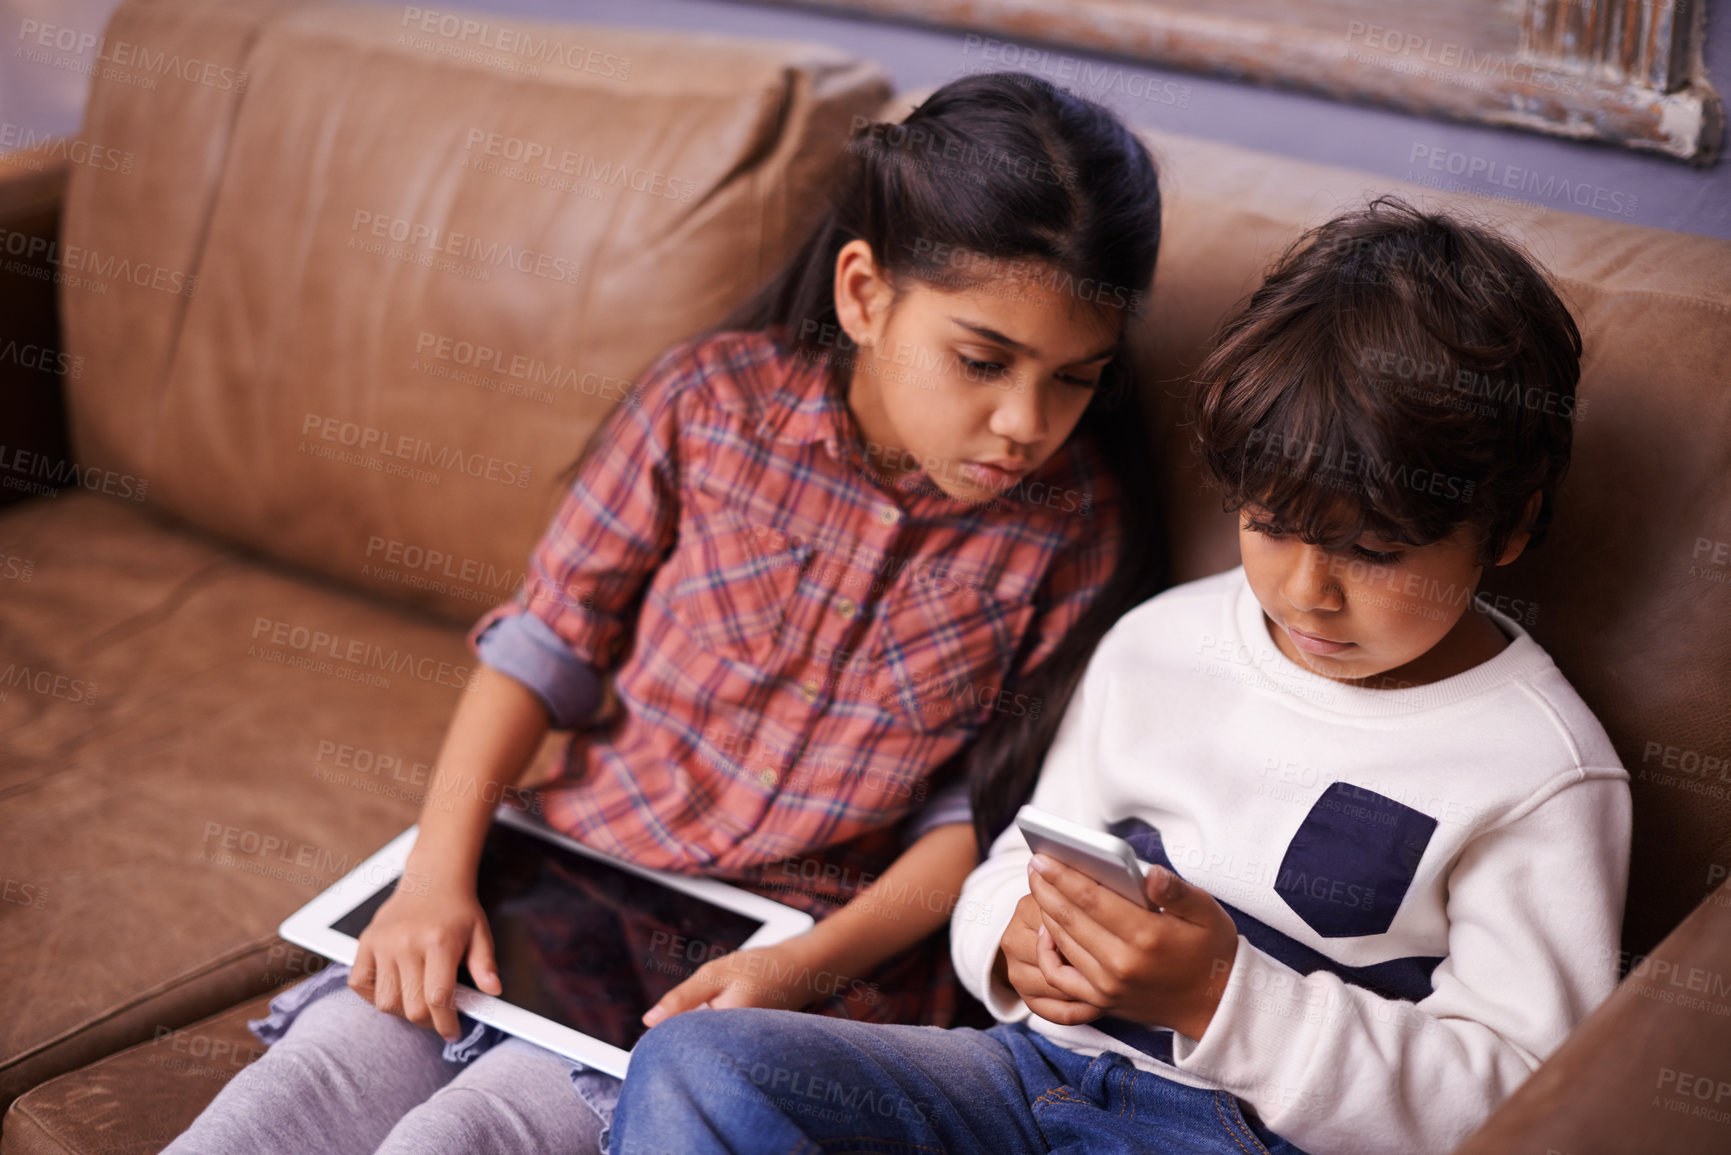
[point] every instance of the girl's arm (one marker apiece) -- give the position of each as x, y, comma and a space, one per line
903, 905
406, 961
584, 583
494, 733
992, 925
910, 900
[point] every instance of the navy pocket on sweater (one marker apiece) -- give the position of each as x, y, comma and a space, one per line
1352, 860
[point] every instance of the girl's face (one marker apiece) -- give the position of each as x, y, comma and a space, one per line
1395, 615
977, 386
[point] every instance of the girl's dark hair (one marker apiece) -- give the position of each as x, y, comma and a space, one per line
995, 177
1399, 373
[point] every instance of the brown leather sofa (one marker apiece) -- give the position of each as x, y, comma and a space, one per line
340, 290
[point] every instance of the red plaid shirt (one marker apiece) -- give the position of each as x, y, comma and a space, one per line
796, 647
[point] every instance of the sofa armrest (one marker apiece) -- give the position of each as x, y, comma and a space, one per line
32, 360
1648, 1071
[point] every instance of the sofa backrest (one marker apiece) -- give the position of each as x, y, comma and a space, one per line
1631, 593
392, 266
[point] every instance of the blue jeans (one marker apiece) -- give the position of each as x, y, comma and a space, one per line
753, 1080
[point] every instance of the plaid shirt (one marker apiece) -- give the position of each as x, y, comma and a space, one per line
796, 646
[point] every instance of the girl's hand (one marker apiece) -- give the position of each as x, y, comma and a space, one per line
785, 976
1164, 967
406, 963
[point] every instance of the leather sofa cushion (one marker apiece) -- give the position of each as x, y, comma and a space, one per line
188, 754
136, 1101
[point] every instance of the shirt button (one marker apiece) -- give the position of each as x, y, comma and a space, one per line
889, 514
767, 776
845, 607
808, 690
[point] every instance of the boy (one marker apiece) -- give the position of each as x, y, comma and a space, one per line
1389, 841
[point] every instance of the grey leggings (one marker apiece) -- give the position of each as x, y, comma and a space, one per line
348, 1078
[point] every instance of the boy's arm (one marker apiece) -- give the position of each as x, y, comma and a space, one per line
1535, 908
991, 892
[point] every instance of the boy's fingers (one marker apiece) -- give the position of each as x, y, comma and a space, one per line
1105, 905
1018, 937
1062, 1011
1082, 917
1173, 896
1067, 952
1066, 979
1028, 981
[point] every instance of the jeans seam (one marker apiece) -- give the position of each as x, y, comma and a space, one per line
1060, 1094
1230, 1130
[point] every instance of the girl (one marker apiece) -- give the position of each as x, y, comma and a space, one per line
819, 552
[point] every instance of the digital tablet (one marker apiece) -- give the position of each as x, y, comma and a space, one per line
585, 943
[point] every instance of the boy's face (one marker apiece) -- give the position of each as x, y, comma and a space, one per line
954, 382
1380, 608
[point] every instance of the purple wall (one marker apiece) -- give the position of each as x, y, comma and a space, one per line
1587, 178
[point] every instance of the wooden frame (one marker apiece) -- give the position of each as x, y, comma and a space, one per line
1626, 72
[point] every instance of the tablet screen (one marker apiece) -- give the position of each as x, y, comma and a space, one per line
580, 941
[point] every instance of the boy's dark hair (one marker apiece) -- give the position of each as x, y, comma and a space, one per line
997, 176
1399, 373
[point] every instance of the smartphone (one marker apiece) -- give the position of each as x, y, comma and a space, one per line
1105, 858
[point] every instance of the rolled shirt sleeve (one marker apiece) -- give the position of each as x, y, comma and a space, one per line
586, 576
526, 648
949, 804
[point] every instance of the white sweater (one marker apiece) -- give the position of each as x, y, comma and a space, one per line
1373, 1006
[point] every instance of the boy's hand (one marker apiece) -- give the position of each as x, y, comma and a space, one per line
1165, 967
780, 976
1019, 965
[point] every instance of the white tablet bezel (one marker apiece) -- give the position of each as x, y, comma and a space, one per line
310, 927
